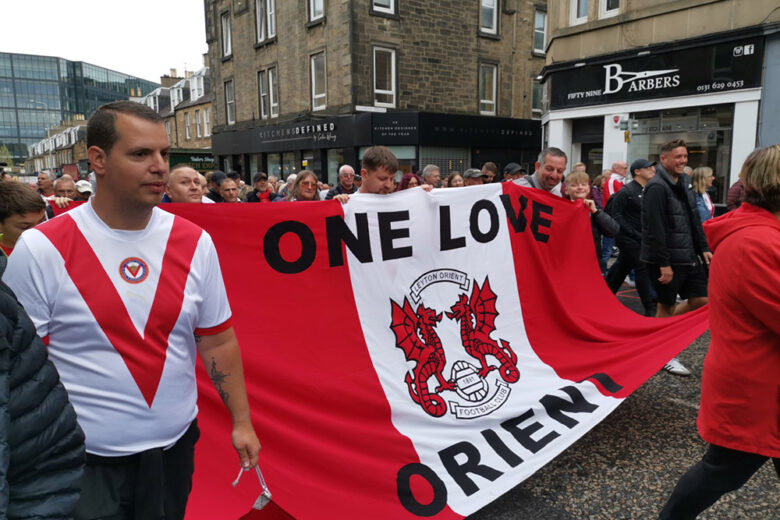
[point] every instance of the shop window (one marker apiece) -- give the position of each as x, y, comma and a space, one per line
384, 77
707, 132
487, 89
227, 43
540, 31
488, 16
319, 97
608, 8
579, 11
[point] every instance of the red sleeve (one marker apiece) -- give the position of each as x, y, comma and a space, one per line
216, 329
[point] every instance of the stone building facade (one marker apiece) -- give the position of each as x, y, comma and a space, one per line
449, 82
624, 76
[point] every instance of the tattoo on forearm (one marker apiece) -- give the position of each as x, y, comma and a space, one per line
218, 378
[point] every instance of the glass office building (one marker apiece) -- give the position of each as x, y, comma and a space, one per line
37, 92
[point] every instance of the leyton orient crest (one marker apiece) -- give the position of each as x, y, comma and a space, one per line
473, 389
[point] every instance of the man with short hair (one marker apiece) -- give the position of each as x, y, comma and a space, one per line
65, 187
346, 182
228, 190
489, 172
673, 242
549, 172
213, 181
473, 177
616, 180
626, 208
262, 189
431, 175
46, 185
242, 187
378, 170
183, 185
127, 295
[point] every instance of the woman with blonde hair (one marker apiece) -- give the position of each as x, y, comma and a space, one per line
702, 180
305, 187
739, 387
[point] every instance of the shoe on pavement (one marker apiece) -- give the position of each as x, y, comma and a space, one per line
675, 367
630, 282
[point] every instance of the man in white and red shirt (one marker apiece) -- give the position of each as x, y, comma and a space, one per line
126, 294
616, 180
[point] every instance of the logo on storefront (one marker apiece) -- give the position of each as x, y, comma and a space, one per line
616, 79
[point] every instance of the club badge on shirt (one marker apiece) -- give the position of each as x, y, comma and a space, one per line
133, 270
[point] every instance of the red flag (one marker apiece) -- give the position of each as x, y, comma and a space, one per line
504, 319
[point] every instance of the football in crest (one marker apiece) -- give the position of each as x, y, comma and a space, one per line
468, 384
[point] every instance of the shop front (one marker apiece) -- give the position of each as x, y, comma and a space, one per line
624, 107
198, 159
453, 142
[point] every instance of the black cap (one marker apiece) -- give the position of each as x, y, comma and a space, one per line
641, 163
258, 176
512, 168
472, 173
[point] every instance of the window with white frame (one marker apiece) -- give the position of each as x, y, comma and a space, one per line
227, 43
177, 96
608, 8
273, 91
230, 103
579, 11
168, 128
384, 77
268, 93
488, 16
265, 19
186, 125
384, 6
487, 89
540, 31
206, 129
316, 10
319, 88
262, 90
198, 131
196, 87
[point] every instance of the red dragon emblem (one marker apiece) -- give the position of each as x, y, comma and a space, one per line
416, 335
476, 336
426, 350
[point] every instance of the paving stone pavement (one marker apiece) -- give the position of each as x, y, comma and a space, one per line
626, 467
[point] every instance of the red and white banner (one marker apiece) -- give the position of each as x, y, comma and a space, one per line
415, 355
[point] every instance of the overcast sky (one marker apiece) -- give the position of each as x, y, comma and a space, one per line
144, 38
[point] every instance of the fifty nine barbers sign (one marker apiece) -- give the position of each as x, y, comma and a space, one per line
725, 66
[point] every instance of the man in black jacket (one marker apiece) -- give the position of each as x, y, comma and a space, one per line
41, 444
673, 242
346, 182
625, 206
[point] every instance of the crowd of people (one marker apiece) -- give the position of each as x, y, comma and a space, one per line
139, 443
